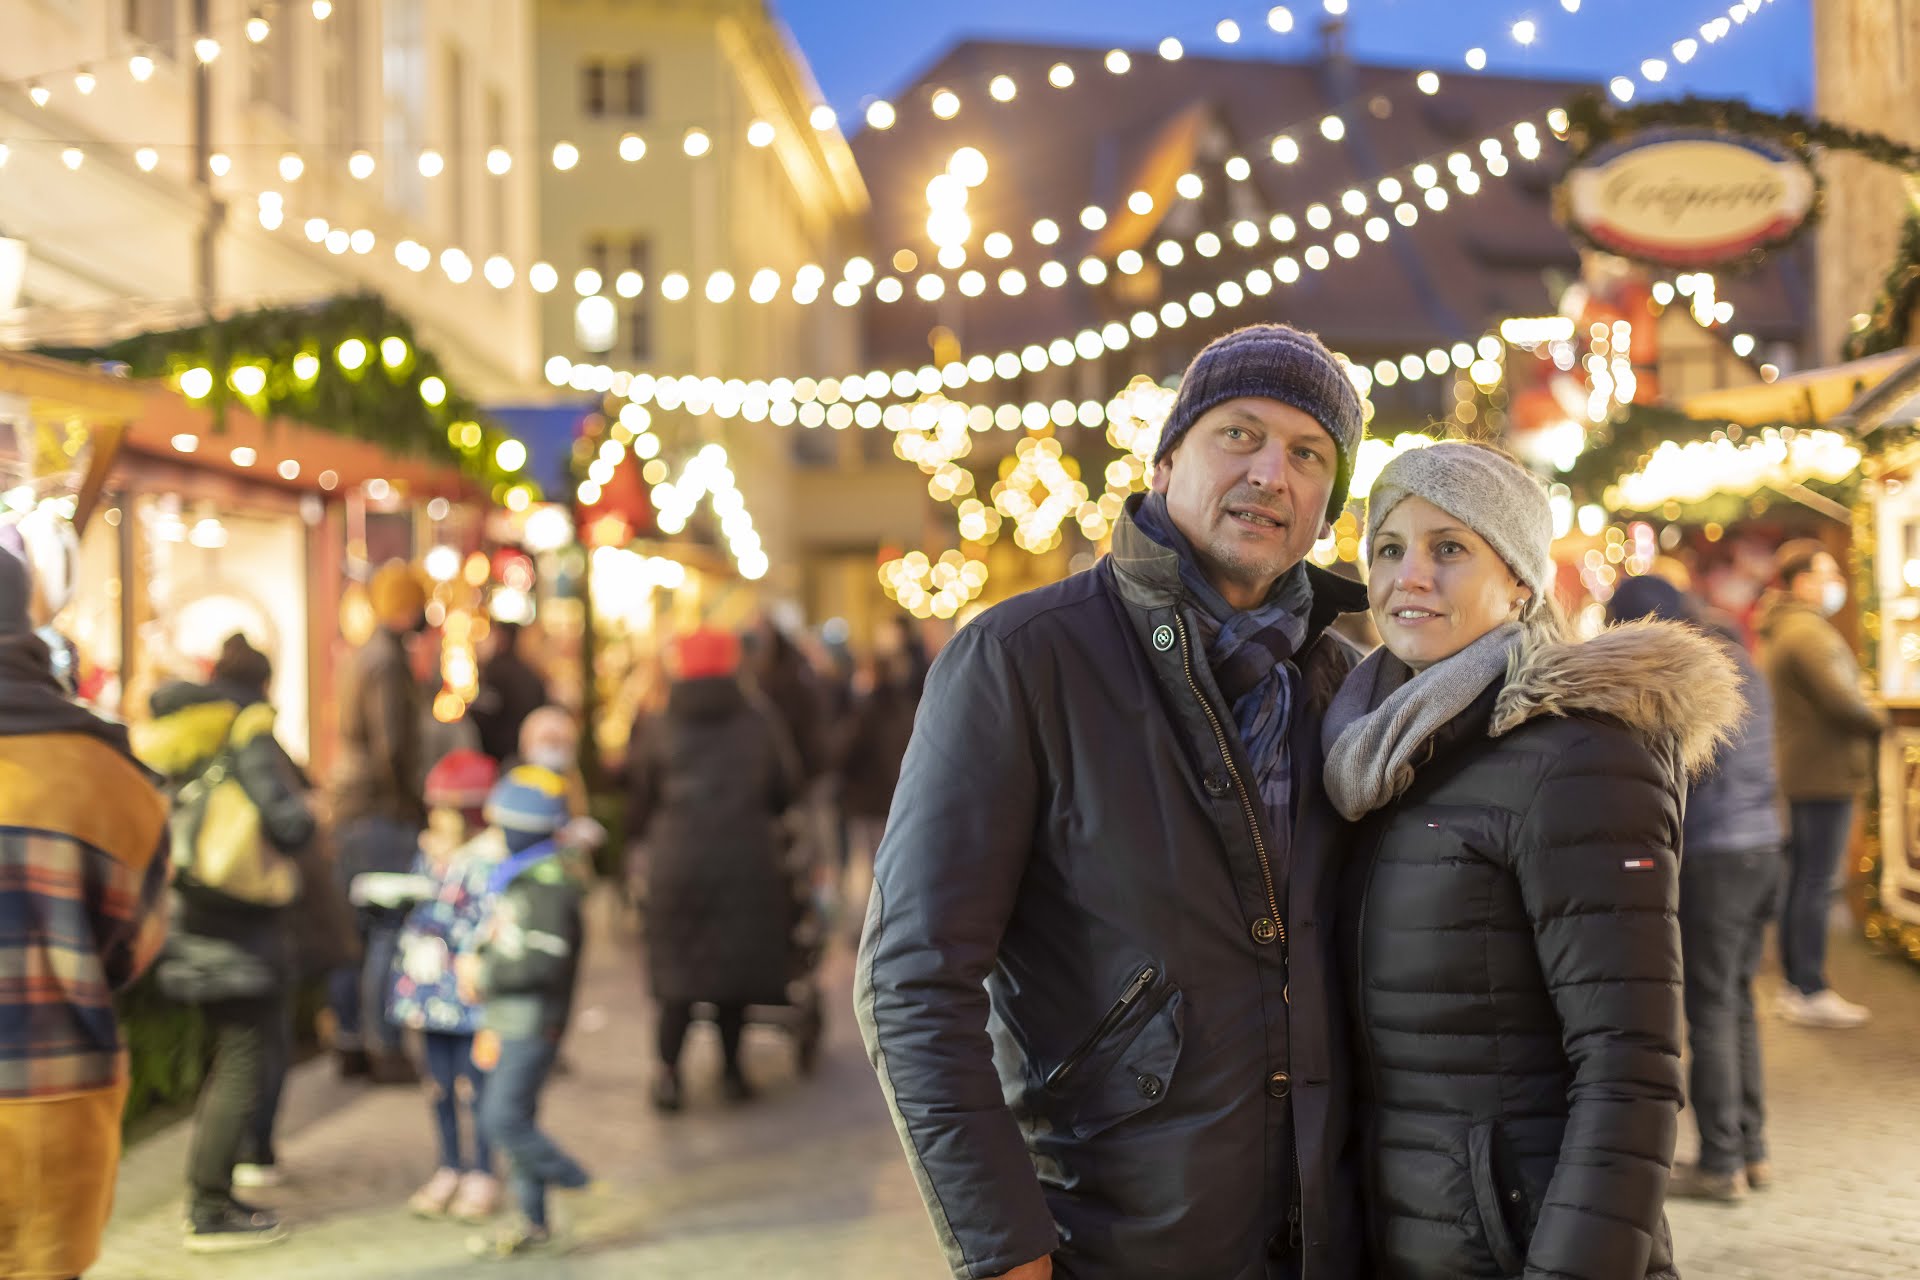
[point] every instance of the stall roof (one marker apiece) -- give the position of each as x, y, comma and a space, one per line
63, 387
1816, 395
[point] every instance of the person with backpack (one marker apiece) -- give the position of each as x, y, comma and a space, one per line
240, 812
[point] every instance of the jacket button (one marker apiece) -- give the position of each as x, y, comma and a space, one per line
1150, 1086
1514, 1196
1216, 785
1279, 1084
1265, 931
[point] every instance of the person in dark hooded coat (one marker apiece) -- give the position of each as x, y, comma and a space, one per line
711, 780
1509, 914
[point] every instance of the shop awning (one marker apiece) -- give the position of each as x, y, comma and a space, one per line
61, 391
1896, 400
1817, 395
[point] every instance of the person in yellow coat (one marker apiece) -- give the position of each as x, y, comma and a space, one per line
83, 874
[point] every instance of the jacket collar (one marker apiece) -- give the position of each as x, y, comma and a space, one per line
1148, 577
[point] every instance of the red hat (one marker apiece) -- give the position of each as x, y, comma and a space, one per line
461, 780
706, 652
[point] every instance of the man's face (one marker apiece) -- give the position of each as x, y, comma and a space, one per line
1248, 486
1822, 576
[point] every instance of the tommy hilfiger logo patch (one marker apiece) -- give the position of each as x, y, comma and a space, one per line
1639, 864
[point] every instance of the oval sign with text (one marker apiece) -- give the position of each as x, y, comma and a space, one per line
1689, 197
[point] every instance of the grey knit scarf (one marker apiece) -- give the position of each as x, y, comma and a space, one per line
1384, 714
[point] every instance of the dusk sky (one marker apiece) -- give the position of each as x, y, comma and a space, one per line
861, 49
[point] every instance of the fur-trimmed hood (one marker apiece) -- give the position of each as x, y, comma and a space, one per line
1666, 682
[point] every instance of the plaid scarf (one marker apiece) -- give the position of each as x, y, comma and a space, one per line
1250, 652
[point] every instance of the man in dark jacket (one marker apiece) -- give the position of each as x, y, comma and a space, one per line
1730, 873
510, 691
1097, 980
378, 813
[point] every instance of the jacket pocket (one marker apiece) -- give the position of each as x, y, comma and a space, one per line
1491, 1201
1125, 1063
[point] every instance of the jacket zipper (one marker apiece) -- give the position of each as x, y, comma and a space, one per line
1072, 1061
1296, 1228
1240, 787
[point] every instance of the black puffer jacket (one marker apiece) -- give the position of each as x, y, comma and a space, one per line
1515, 959
711, 781
1098, 989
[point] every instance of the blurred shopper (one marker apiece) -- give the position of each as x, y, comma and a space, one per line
1730, 878
1826, 731
83, 874
1109, 845
712, 780
230, 953
524, 964
378, 813
458, 856
510, 691
1509, 913
779, 670
876, 736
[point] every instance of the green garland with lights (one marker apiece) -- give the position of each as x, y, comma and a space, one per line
387, 391
1890, 323
1619, 447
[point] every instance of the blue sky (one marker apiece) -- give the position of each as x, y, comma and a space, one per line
861, 49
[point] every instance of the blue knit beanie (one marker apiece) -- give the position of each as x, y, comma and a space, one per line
1272, 362
528, 805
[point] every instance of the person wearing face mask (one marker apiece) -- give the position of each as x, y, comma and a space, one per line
1824, 733
1509, 911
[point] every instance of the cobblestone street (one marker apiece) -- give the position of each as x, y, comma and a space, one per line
808, 1183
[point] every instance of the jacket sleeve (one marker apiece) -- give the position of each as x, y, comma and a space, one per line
131, 911
1597, 859
1825, 667
539, 954
271, 781
945, 882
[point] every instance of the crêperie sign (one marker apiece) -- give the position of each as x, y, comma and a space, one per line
1690, 198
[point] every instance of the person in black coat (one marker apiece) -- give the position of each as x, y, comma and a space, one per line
1729, 886
712, 780
231, 955
510, 691
1509, 912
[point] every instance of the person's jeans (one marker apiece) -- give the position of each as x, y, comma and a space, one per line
229, 1098
676, 1018
449, 1061
1726, 900
276, 1057
507, 1116
358, 995
1816, 844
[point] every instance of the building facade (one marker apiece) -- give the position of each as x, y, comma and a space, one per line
683, 159
1866, 75
167, 159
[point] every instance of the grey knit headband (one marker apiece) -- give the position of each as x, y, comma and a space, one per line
1487, 491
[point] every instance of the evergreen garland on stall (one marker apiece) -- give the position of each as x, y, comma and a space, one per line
1890, 323
387, 390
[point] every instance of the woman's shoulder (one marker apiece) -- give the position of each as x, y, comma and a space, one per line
1657, 691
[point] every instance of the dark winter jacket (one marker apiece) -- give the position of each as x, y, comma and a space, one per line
788, 684
510, 691
1735, 806
1106, 1019
876, 740
1824, 728
192, 725
382, 764
711, 781
1514, 958
530, 947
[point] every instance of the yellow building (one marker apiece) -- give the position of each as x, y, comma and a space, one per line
682, 161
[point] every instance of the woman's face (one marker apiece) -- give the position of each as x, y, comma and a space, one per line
1435, 586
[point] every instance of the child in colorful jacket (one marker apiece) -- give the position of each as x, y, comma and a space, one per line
457, 857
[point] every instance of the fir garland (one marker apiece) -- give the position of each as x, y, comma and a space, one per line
1593, 122
1890, 323
385, 404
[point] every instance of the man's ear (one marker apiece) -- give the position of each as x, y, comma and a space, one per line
1162, 474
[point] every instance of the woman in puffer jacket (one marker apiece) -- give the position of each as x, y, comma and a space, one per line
1512, 953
